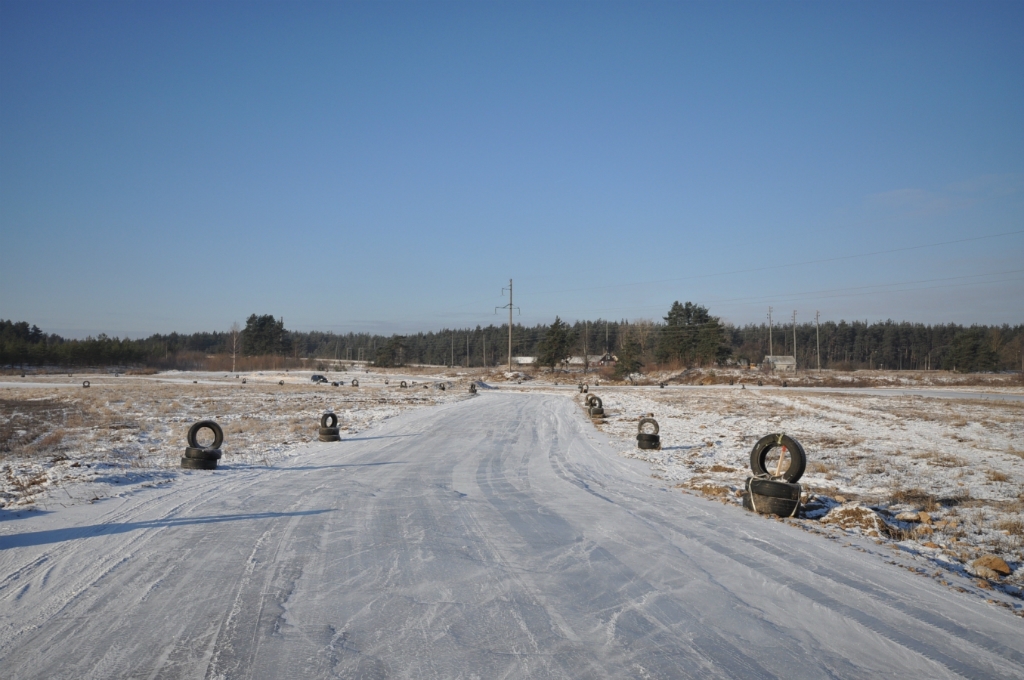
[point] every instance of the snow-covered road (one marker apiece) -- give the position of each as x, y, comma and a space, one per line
495, 537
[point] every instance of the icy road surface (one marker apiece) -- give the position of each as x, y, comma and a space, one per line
498, 537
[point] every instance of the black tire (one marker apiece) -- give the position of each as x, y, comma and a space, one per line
774, 489
644, 444
386, 381
328, 430
798, 459
197, 464
243, 381
766, 505
648, 421
85, 383
330, 438
355, 382
785, 384
403, 384
329, 417
202, 454
595, 401
218, 434
661, 385
441, 387
596, 412
760, 383
645, 437
280, 382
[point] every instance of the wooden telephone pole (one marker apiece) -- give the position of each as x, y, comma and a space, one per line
510, 308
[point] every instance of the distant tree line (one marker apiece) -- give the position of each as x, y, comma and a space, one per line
688, 335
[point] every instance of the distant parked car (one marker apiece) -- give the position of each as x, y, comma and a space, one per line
318, 379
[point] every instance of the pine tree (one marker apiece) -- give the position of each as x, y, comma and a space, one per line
556, 345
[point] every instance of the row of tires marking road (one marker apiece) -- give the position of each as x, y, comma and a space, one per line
199, 457
777, 462
772, 490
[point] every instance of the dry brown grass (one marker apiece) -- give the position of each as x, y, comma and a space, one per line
940, 459
997, 476
914, 496
1013, 526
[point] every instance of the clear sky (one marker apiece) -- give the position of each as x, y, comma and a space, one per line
388, 166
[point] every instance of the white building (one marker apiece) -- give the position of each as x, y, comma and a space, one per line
780, 363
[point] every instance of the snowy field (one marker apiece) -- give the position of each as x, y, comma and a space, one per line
935, 473
502, 534
61, 443
939, 477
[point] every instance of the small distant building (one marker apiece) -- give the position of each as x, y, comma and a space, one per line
524, 361
592, 360
782, 364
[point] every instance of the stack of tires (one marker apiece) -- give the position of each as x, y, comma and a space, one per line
595, 407
472, 388
778, 462
329, 432
202, 457
649, 439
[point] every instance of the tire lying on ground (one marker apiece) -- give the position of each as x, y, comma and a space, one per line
198, 464
218, 434
85, 383
797, 458
594, 401
280, 382
596, 412
329, 420
767, 505
329, 434
773, 488
403, 384
645, 440
202, 454
355, 382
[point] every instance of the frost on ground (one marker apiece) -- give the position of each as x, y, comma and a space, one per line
939, 478
65, 443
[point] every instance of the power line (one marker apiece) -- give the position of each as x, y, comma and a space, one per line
788, 264
840, 291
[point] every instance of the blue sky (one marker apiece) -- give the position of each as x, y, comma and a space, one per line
387, 167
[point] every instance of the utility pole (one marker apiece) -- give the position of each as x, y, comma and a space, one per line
510, 308
770, 352
467, 350
794, 339
817, 339
586, 357
452, 364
